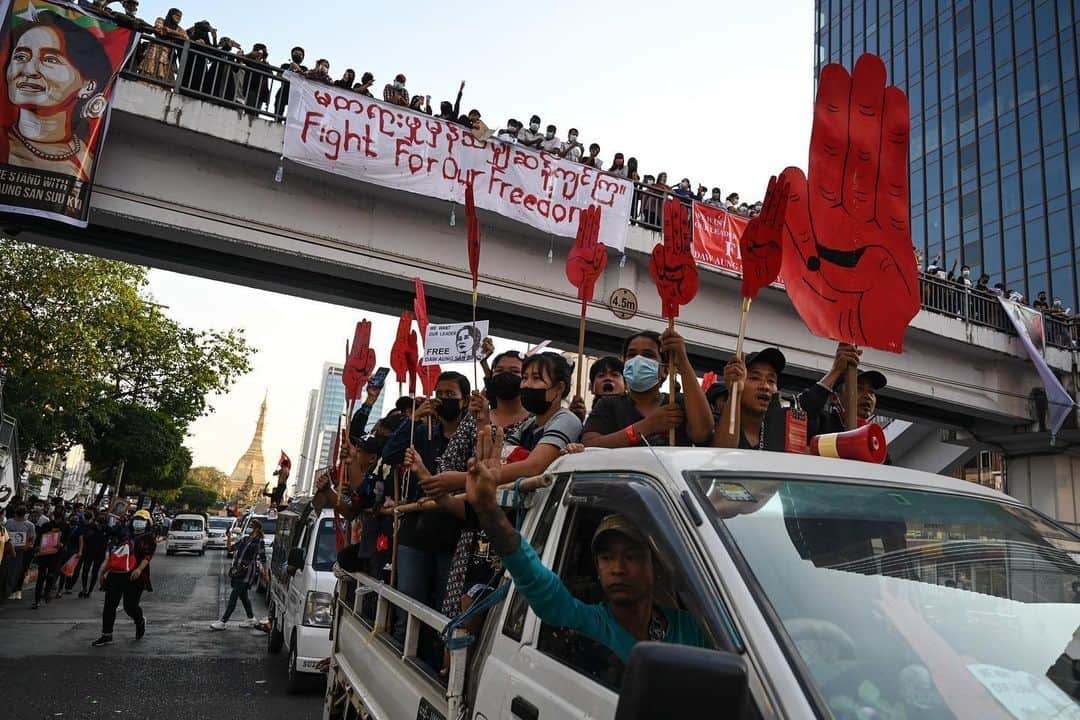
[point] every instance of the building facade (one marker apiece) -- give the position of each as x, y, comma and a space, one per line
300, 486
330, 404
995, 128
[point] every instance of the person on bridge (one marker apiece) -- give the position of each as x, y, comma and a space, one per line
132, 546
624, 563
644, 416
248, 562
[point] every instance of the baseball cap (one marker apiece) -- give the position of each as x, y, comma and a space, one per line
608, 362
368, 443
877, 380
717, 389
770, 356
144, 514
619, 523
400, 77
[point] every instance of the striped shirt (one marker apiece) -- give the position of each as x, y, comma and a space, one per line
249, 552
563, 428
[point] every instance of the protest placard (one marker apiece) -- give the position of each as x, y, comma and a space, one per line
453, 342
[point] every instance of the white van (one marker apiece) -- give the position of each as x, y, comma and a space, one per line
301, 594
187, 534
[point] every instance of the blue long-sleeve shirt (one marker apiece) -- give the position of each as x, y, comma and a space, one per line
554, 604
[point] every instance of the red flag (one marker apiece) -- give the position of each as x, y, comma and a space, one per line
472, 227
399, 357
420, 308
848, 264
761, 244
284, 460
672, 265
588, 258
359, 363
412, 360
708, 380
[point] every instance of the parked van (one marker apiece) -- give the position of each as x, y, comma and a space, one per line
301, 594
187, 533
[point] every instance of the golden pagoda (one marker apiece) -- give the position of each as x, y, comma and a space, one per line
249, 475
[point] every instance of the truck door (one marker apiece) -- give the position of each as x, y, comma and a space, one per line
554, 672
298, 585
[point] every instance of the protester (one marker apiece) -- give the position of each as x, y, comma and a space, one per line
632, 170
395, 92
159, 61
551, 143
73, 547
256, 85
624, 563
820, 402
249, 559
731, 202
661, 182
758, 377
449, 111
618, 166
572, 150
965, 276
420, 103
347, 80
530, 136
131, 547
204, 34
23, 539
644, 416
95, 541
714, 199
683, 190
7, 557
717, 395
509, 134
296, 65
364, 86
593, 158
1041, 302
50, 541
477, 128
983, 284
321, 72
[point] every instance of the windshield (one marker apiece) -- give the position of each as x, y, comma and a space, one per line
269, 525
187, 525
907, 604
221, 523
325, 546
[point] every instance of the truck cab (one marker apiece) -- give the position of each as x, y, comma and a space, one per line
301, 588
825, 588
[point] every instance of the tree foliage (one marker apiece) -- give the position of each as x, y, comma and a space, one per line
82, 343
149, 443
196, 497
208, 477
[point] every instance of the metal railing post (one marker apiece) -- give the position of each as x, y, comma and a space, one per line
181, 64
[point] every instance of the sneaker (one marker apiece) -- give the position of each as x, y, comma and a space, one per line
218, 625
140, 628
249, 623
17, 595
35, 606
103, 640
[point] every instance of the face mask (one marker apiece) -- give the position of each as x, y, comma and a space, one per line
138, 524
534, 126
535, 400
298, 59
450, 409
573, 137
641, 373
503, 386
1057, 303
398, 84
967, 273
549, 135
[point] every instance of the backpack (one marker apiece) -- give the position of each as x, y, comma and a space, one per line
121, 558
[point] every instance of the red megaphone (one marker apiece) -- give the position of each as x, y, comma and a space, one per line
866, 443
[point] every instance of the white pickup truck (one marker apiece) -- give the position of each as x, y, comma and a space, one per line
828, 588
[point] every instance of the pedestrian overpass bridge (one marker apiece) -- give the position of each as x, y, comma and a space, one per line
190, 186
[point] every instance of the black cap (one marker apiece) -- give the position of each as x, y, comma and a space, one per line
876, 379
368, 443
717, 389
608, 362
356, 427
771, 356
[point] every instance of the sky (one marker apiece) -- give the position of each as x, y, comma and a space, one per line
719, 92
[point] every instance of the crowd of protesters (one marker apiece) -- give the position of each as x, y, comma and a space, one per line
222, 70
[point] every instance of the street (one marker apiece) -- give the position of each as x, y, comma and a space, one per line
180, 670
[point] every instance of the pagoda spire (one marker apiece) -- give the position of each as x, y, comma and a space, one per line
251, 467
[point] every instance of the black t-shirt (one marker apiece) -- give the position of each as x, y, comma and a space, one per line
94, 539
612, 414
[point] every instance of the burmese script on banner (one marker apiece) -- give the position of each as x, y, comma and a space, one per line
348, 134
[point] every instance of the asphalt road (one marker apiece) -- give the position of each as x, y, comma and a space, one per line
179, 670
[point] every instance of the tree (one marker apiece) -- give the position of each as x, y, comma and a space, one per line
196, 497
148, 442
81, 339
208, 477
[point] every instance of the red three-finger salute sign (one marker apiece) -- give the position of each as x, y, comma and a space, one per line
399, 351
584, 266
675, 274
359, 364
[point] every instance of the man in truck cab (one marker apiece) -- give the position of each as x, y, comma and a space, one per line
624, 564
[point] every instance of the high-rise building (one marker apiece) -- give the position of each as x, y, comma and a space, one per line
301, 485
329, 406
995, 128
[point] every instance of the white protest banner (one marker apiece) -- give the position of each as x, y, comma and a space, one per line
347, 134
454, 342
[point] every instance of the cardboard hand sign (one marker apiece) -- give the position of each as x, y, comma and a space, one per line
399, 359
412, 360
672, 266
708, 380
359, 363
420, 307
472, 229
428, 375
588, 257
761, 244
848, 264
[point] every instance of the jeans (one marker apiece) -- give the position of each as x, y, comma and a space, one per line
119, 586
239, 590
422, 576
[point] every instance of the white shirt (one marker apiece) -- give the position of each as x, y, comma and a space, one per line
553, 145
574, 153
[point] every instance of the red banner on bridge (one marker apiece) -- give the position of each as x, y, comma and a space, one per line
716, 239
60, 68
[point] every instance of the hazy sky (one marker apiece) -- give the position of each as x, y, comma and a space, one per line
720, 92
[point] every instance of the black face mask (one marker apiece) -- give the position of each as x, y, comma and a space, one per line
503, 386
535, 400
450, 409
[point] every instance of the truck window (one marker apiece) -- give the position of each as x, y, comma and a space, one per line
515, 614
325, 546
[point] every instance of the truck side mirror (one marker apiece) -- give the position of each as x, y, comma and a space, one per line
295, 561
663, 680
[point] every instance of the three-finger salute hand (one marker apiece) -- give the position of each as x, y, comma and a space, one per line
588, 257
483, 476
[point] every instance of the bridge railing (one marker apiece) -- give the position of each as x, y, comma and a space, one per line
260, 90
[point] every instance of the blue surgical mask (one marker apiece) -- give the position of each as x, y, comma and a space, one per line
138, 524
641, 373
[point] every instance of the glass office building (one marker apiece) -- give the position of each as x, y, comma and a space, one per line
995, 127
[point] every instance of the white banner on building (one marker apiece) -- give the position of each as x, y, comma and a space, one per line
347, 134
456, 342
7, 476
